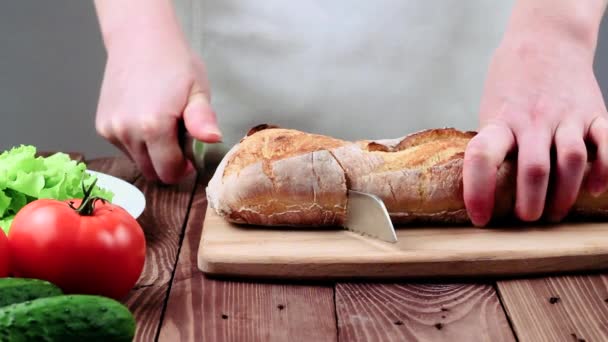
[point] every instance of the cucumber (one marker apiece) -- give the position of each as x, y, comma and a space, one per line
17, 290
67, 318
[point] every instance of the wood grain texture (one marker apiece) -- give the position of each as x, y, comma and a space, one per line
433, 312
186, 265
567, 308
146, 304
203, 309
163, 222
253, 251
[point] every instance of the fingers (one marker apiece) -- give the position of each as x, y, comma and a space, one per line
117, 132
597, 182
200, 119
532, 173
571, 161
139, 154
166, 155
484, 154
151, 139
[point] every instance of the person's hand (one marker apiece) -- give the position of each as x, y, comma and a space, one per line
152, 81
540, 93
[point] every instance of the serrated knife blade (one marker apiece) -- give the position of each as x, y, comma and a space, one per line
367, 215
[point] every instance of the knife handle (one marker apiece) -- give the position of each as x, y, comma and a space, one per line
192, 149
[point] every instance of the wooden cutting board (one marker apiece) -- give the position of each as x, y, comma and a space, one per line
244, 251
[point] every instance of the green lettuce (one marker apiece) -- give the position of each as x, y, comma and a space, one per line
25, 177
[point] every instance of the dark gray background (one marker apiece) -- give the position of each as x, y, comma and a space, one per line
51, 66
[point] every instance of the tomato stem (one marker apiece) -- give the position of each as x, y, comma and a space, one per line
87, 205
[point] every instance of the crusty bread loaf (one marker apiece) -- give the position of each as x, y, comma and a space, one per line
276, 176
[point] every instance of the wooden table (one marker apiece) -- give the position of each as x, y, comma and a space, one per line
174, 301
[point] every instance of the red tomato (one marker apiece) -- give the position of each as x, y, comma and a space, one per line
4, 255
100, 250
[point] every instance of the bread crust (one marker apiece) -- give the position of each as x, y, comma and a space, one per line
285, 177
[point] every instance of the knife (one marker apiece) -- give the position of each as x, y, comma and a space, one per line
367, 215
194, 150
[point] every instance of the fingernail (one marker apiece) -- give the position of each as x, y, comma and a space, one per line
596, 188
596, 193
216, 132
212, 130
478, 219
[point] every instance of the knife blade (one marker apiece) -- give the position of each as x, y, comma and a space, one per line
367, 215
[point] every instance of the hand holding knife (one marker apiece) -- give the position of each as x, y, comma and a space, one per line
194, 150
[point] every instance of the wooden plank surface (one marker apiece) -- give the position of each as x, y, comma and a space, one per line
298, 253
146, 303
163, 222
420, 312
566, 308
203, 309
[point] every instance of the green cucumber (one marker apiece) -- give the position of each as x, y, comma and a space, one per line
17, 290
67, 318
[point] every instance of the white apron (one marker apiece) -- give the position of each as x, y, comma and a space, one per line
358, 69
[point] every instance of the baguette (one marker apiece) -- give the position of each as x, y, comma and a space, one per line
284, 177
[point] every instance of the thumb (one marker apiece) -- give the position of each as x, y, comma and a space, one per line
199, 117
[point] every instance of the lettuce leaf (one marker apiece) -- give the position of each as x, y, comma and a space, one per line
25, 177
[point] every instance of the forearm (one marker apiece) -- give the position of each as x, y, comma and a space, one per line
136, 20
577, 20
